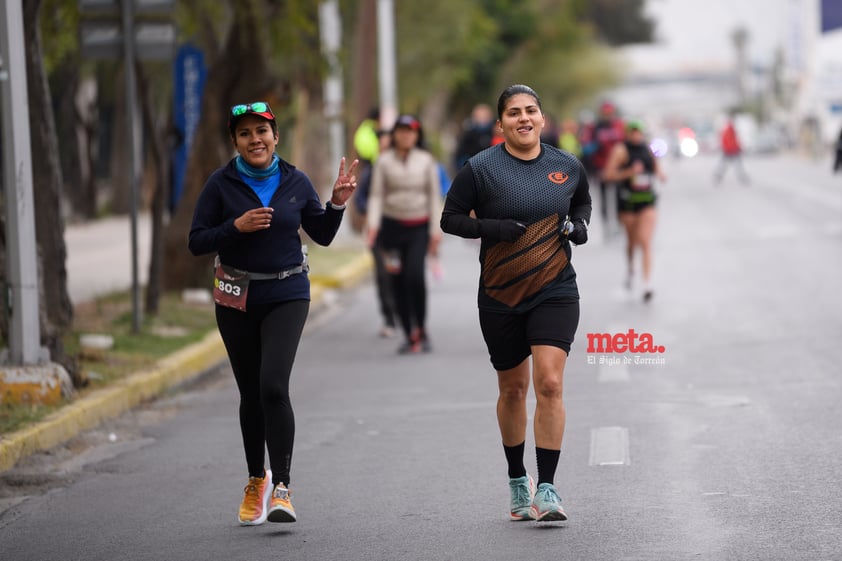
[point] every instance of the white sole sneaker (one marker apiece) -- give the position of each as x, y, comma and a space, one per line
527, 515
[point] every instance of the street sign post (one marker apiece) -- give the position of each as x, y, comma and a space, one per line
103, 40
109, 32
114, 7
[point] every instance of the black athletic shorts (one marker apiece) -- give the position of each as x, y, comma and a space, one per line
634, 201
509, 337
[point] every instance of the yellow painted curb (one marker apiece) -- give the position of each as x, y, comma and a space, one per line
109, 402
346, 275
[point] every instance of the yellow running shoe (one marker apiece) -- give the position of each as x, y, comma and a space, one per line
253, 509
280, 506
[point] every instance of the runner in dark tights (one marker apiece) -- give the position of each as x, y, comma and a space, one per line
403, 210
249, 213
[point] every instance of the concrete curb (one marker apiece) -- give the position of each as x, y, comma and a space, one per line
180, 367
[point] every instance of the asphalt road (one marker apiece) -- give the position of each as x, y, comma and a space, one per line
724, 446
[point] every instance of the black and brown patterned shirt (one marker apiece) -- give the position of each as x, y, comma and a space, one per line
539, 193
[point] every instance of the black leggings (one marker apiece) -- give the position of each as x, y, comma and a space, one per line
385, 290
261, 345
410, 285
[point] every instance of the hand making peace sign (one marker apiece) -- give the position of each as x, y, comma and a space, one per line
345, 183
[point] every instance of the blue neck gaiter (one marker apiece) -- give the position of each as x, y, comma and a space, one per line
257, 173
264, 182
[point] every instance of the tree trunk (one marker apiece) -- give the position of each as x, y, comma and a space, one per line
67, 76
75, 125
4, 287
237, 72
159, 154
309, 151
364, 87
56, 309
86, 120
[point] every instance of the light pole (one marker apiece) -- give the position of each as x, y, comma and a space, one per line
109, 30
26, 373
330, 25
739, 38
386, 62
134, 147
24, 330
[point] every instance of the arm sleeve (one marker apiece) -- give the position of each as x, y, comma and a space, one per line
434, 194
322, 226
580, 204
461, 199
320, 223
209, 232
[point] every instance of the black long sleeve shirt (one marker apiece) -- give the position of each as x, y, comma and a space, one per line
225, 197
539, 193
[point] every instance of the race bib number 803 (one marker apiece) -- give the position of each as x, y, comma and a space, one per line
230, 288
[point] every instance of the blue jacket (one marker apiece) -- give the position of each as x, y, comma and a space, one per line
296, 204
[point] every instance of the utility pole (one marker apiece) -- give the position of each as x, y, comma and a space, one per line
739, 38
134, 147
330, 25
109, 30
24, 329
25, 373
386, 62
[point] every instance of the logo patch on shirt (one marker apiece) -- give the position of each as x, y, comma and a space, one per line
558, 177
292, 200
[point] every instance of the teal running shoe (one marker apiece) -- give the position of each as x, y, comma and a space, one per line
523, 489
546, 506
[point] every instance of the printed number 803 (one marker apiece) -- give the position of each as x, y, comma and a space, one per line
227, 287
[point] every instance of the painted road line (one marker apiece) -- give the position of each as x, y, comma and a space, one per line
609, 446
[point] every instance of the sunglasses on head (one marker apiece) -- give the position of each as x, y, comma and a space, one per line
256, 107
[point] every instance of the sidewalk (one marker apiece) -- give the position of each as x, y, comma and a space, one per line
105, 241
108, 240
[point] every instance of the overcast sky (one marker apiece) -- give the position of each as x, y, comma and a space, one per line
696, 34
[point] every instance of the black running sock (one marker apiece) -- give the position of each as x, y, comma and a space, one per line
547, 464
514, 456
